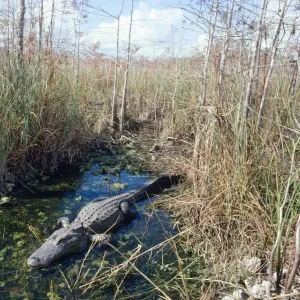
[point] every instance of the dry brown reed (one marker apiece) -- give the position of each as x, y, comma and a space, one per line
234, 189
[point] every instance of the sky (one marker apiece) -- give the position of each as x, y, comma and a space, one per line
158, 26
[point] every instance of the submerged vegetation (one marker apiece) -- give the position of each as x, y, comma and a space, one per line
230, 125
234, 191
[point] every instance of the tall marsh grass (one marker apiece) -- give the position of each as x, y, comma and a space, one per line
234, 190
43, 121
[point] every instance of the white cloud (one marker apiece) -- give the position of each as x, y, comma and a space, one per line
156, 31
152, 29
202, 42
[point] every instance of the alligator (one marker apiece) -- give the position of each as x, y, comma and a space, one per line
95, 222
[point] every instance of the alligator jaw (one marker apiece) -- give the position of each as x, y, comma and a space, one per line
61, 242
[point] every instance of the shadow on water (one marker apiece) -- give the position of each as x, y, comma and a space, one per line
57, 281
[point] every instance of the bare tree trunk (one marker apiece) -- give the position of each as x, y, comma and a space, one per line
224, 53
21, 32
252, 73
78, 44
32, 16
256, 76
124, 100
256, 87
202, 97
41, 26
239, 70
294, 78
51, 26
8, 27
271, 67
114, 117
13, 42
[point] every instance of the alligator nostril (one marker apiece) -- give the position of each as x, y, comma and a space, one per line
33, 262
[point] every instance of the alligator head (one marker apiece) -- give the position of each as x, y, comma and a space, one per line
63, 241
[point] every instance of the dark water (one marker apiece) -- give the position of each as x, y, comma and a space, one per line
63, 279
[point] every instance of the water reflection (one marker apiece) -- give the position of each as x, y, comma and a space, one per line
21, 226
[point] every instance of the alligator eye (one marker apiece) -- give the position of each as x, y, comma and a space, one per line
61, 240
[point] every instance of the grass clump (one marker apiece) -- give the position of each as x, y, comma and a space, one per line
237, 181
43, 120
237, 185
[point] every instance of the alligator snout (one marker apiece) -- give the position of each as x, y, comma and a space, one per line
33, 262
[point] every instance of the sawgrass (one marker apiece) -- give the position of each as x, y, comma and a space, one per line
233, 194
43, 121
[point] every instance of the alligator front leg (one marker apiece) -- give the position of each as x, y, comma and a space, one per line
63, 222
101, 239
125, 209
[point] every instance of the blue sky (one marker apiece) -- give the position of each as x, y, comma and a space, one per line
157, 29
157, 26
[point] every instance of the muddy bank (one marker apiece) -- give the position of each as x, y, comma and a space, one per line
136, 151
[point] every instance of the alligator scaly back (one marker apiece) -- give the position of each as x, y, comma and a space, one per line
99, 216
